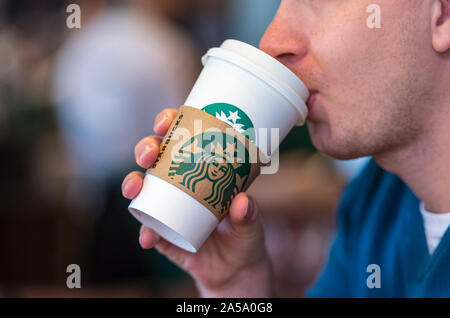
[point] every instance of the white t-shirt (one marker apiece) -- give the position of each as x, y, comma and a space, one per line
435, 226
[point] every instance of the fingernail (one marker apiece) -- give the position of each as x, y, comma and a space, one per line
249, 213
159, 123
127, 185
144, 153
141, 235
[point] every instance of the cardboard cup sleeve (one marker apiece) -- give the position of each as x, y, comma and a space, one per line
207, 159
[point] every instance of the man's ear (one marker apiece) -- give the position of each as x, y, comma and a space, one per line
440, 25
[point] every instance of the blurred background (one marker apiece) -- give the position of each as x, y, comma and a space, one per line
73, 104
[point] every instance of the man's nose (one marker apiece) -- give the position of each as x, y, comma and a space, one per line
285, 39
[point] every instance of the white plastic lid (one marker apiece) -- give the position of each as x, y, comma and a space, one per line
267, 69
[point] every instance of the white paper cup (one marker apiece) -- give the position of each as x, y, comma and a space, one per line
244, 87
173, 214
245, 77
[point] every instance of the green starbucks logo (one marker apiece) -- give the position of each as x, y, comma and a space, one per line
214, 165
233, 116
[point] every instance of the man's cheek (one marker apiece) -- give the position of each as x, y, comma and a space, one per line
340, 50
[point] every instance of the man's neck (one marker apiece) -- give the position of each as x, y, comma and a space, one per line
424, 165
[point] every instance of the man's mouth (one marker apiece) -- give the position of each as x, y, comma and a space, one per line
312, 98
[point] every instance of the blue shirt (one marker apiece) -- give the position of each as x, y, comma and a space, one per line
379, 222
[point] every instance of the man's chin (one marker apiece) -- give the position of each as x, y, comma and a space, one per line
343, 156
337, 150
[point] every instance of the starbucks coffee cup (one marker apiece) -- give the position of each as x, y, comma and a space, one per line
239, 87
264, 92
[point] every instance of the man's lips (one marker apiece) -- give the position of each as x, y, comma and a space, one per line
312, 98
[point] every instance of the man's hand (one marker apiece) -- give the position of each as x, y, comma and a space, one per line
233, 262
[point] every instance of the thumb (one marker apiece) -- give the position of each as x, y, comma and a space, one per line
244, 221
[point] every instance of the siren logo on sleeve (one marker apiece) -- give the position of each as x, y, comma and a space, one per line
233, 116
214, 161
